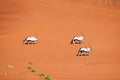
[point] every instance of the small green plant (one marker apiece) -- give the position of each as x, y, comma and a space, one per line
5, 74
33, 70
29, 67
48, 77
42, 74
30, 63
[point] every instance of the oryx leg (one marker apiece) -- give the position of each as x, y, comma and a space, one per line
72, 42
81, 51
78, 53
83, 54
35, 42
87, 54
29, 41
79, 42
25, 41
76, 41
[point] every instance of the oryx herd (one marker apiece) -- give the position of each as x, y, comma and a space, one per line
79, 40
83, 51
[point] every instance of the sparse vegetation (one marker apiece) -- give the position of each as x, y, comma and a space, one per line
10, 66
5, 74
42, 74
30, 63
33, 70
29, 67
48, 77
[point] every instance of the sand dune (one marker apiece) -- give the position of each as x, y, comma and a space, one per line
55, 22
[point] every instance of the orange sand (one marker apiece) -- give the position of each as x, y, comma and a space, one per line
55, 22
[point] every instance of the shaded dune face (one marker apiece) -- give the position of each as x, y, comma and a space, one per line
55, 22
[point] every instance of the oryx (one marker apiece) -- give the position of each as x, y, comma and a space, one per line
86, 51
78, 39
30, 40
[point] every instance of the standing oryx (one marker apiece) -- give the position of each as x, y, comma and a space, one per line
30, 40
84, 49
78, 39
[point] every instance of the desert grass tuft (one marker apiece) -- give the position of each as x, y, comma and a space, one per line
10, 66
42, 74
30, 63
48, 77
29, 67
33, 70
5, 74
